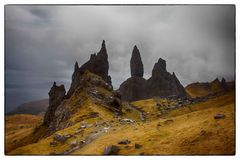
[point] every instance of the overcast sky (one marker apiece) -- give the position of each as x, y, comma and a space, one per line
43, 42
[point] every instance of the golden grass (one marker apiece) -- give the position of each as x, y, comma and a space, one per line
189, 132
18, 127
195, 132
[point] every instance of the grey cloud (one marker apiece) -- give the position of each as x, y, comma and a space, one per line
43, 43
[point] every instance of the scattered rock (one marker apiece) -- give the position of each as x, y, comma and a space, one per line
83, 126
142, 153
137, 146
219, 116
61, 138
79, 131
126, 120
111, 150
125, 141
73, 144
203, 132
159, 124
169, 121
126, 147
82, 141
93, 114
53, 143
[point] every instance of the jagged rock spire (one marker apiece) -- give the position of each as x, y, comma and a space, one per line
159, 68
103, 44
103, 50
76, 67
136, 64
216, 80
97, 64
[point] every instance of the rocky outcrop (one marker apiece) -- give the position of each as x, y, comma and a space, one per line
56, 95
98, 64
90, 83
162, 83
136, 64
224, 84
134, 88
92, 88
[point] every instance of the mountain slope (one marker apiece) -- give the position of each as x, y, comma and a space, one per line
33, 107
191, 129
203, 89
18, 127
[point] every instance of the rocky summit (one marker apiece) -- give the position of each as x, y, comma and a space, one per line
98, 64
162, 83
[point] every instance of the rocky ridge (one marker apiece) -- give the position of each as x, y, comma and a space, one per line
200, 89
90, 84
98, 64
161, 83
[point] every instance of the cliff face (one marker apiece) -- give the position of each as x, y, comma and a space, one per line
56, 95
134, 88
98, 64
162, 83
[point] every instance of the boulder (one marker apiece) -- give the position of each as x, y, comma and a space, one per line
111, 150
125, 141
137, 146
219, 116
60, 138
73, 144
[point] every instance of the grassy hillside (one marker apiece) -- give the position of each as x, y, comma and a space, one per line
186, 130
204, 89
18, 127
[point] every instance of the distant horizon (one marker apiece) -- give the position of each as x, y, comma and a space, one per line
42, 44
